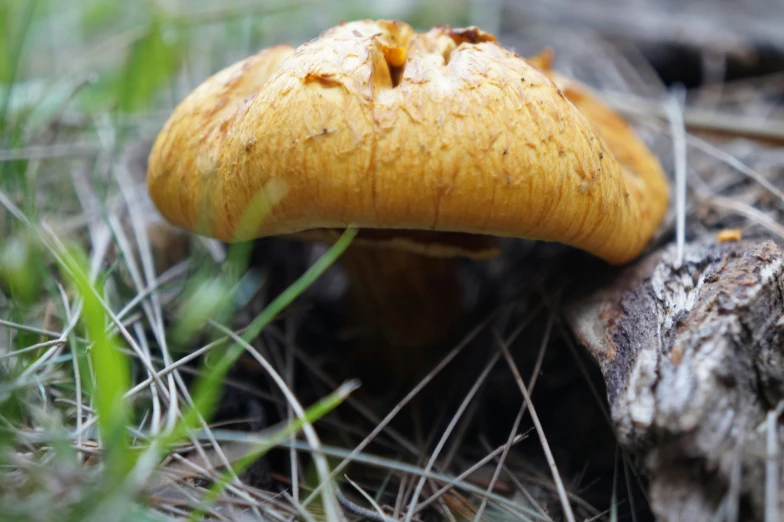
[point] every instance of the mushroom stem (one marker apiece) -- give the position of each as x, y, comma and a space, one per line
401, 305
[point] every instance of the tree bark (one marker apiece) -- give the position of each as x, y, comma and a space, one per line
693, 360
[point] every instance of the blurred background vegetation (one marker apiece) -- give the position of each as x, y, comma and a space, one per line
128, 52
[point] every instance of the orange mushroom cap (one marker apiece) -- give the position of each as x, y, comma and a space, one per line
375, 126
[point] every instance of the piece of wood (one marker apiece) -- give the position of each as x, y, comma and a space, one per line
693, 359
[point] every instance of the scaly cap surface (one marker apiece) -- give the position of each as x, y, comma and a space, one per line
375, 126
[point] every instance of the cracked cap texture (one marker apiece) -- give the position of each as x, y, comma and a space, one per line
375, 126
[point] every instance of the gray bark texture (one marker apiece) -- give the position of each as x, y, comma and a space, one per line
693, 359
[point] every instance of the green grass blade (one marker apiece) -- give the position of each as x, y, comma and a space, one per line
112, 371
11, 51
257, 450
213, 297
153, 61
207, 389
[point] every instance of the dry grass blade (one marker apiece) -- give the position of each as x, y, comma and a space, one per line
732, 497
772, 471
192, 356
378, 511
304, 513
151, 305
649, 109
516, 425
36, 365
600, 401
77, 379
408, 398
58, 251
743, 209
627, 470
700, 119
28, 328
736, 164
447, 432
332, 509
294, 464
392, 465
521, 487
614, 499
468, 472
174, 273
155, 425
675, 116
568, 513
71, 150
34, 347
187, 468
361, 408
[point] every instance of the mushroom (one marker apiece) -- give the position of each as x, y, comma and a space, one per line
429, 143
641, 166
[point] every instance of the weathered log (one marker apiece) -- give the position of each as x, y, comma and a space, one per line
693, 359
